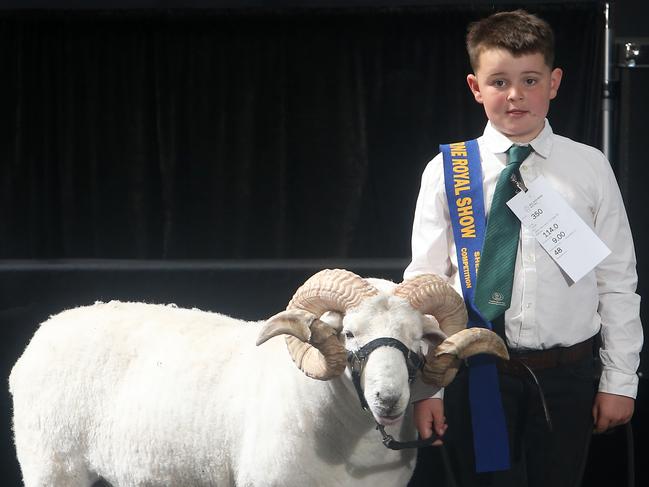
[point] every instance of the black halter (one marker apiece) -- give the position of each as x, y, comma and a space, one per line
414, 363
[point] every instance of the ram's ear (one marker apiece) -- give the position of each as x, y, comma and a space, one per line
432, 333
334, 319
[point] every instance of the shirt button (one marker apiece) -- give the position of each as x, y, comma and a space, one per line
528, 305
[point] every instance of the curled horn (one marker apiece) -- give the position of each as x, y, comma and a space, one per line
432, 295
319, 352
445, 359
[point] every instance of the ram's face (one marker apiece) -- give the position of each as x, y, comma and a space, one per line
383, 316
385, 375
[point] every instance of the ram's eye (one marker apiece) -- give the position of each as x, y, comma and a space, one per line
349, 334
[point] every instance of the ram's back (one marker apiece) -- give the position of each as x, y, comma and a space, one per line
105, 343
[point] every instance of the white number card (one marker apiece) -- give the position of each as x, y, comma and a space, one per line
559, 229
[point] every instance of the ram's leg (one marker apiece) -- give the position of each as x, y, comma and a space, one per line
51, 470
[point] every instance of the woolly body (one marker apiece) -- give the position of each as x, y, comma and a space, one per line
153, 395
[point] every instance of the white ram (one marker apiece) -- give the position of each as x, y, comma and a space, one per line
150, 395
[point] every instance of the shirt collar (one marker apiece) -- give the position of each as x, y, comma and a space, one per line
498, 143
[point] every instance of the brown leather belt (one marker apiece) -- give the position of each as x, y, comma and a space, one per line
545, 359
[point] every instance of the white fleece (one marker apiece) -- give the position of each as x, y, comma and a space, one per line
155, 395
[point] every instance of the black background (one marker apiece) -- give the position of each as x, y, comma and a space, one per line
215, 154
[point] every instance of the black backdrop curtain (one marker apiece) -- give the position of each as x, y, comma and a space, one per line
212, 134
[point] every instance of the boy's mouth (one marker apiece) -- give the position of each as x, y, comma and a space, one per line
516, 113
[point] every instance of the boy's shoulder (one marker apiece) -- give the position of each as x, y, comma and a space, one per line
564, 143
590, 159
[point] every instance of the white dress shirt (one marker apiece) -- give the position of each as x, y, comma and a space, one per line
547, 308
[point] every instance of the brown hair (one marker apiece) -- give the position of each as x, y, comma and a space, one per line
518, 32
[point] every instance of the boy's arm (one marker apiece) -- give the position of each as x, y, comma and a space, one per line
431, 226
619, 305
430, 254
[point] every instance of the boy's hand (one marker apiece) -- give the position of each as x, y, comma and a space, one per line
429, 415
611, 410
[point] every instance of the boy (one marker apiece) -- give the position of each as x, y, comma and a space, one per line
551, 320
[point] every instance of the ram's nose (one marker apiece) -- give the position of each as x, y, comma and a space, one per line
387, 401
387, 408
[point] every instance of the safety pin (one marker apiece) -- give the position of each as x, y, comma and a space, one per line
517, 180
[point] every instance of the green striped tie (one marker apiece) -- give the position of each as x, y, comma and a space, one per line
493, 293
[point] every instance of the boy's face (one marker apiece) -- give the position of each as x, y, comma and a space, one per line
515, 91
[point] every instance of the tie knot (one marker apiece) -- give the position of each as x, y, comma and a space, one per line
516, 154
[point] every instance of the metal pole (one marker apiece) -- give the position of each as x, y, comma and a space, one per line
607, 95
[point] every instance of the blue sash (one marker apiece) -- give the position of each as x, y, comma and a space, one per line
463, 181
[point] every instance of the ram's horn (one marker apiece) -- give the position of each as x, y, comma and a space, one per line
443, 362
295, 322
313, 338
432, 295
323, 356
332, 290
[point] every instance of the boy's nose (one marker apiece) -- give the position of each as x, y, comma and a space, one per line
515, 94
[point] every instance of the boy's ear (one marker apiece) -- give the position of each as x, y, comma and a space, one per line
472, 81
555, 81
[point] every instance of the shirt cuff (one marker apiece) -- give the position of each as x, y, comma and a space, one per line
420, 390
615, 382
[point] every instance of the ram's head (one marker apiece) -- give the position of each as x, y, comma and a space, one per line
336, 314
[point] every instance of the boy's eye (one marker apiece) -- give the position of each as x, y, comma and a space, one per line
530, 81
498, 83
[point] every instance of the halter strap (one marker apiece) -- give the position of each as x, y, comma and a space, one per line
414, 363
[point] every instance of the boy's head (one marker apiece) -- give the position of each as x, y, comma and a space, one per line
512, 55
517, 32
